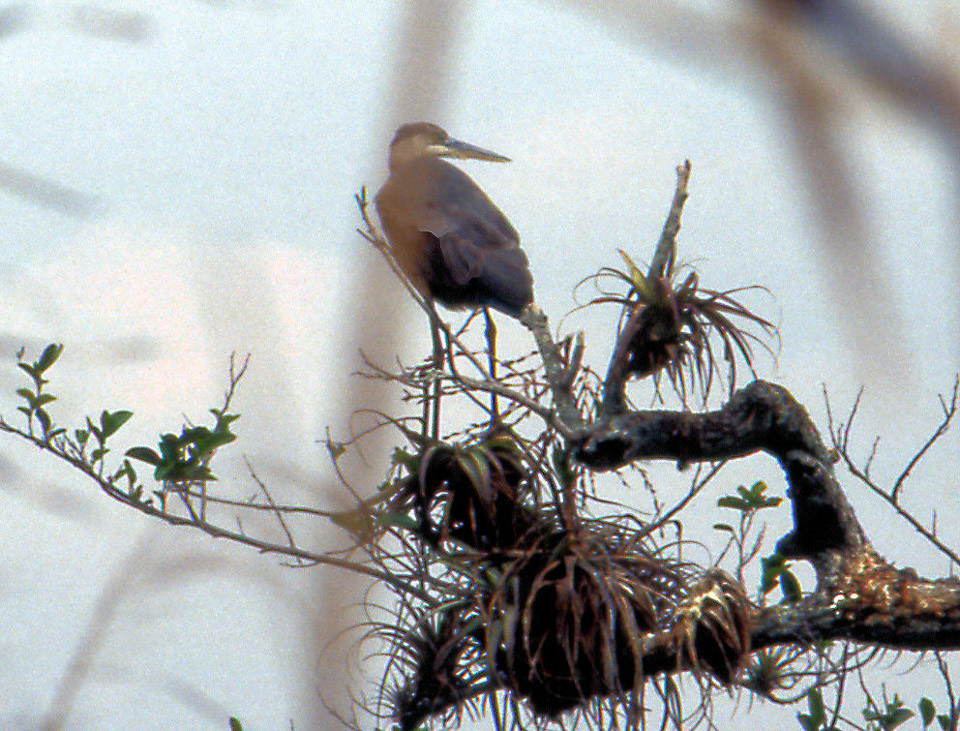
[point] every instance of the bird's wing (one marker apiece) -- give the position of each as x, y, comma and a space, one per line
463, 259
454, 204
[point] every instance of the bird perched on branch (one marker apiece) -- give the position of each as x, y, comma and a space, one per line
446, 235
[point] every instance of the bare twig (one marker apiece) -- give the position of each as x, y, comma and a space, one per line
840, 436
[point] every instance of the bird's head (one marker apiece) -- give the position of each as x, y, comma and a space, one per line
423, 139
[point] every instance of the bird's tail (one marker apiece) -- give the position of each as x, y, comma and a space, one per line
506, 281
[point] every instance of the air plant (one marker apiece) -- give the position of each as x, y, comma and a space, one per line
674, 328
561, 617
713, 630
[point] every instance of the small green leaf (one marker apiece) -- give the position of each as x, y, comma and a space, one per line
769, 576
723, 527
49, 356
790, 586
81, 436
27, 394
169, 447
193, 434
749, 499
207, 444
98, 454
898, 717
43, 399
111, 423
224, 420
235, 724
894, 716
397, 520
729, 501
815, 704
927, 711
94, 430
945, 721
144, 454
407, 460
44, 418
131, 473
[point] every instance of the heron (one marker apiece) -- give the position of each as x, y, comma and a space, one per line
449, 239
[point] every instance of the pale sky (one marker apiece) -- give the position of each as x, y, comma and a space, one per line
219, 155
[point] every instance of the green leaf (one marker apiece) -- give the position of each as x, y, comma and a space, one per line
95, 431
758, 487
790, 586
81, 436
407, 460
44, 418
98, 454
29, 370
723, 527
170, 447
235, 724
144, 454
27, 394
815, 704
894, 716
397, 520
224, 420
729, 501
749, 499
207, 444
43, 399
111, 423
131, 473
49, 356
945, 721
898, 717
927, 711
193, 434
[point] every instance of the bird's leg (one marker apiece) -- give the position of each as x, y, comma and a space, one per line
431, 404
491, 333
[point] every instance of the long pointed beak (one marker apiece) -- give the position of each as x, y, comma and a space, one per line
462, 150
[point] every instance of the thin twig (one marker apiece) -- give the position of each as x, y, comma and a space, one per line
840, 437
949, 411
272, 503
